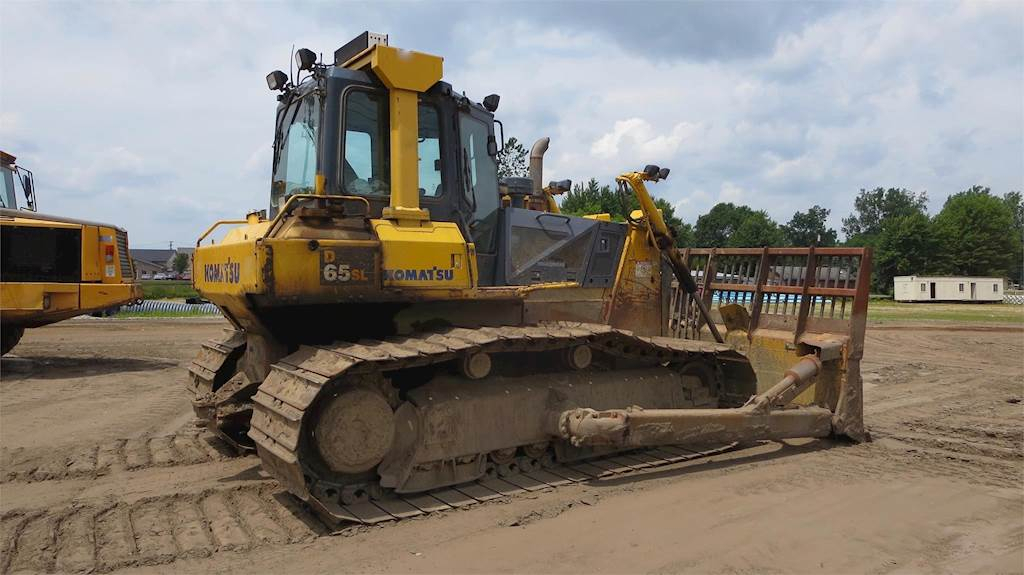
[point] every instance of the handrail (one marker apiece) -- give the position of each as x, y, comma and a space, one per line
215, 225
289, 205
292, 201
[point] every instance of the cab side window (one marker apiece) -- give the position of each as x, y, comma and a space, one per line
429, 146
481, 175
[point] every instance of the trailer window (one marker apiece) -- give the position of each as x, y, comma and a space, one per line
961, 288
923, 288
995, 288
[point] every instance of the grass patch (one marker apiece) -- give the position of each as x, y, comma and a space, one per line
882, 310
167, 289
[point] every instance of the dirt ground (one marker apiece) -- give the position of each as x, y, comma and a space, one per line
103, 470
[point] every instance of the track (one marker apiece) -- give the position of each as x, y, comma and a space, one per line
294, 384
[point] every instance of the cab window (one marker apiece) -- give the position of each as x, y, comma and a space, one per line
295, 172
7, 191
366, 164
481, 182
429, 147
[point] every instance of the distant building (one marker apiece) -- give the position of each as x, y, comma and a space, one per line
146, 269
148, 263
932, 288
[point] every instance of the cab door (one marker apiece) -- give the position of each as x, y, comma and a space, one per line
479, 176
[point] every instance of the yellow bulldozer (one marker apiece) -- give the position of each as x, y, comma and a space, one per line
411, 332
51, 267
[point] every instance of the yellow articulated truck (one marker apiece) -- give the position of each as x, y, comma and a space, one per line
51, 267
412, 332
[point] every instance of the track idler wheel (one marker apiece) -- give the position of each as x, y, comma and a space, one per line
355, 430
577, 357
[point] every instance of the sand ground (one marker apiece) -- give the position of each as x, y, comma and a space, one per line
104, 470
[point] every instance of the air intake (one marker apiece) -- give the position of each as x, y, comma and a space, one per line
357, 45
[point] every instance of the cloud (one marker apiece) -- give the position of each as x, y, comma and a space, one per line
642, 140
784, 105
730, 192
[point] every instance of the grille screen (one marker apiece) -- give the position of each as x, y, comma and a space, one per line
33, 254
122, 249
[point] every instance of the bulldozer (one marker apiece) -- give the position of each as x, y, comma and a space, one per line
52, 267
411, 332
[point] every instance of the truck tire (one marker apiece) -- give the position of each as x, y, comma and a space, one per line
9, 337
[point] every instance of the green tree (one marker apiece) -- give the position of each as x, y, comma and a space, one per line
979, 233
756, 230
1014, 202
907, 245
512, 160
180, 263
806, 228
714, 228
593, 198
873, 208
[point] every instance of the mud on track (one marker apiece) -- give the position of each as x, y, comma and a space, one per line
104, 471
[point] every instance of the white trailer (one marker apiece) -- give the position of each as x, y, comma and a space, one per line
932, 288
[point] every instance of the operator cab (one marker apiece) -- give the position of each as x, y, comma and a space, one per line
15, 179
333, 136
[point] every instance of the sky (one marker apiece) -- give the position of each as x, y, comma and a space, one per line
156, 116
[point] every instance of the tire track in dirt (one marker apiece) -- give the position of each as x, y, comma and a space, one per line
115, 456
101, 537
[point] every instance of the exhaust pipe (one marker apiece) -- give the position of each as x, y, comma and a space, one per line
537, 164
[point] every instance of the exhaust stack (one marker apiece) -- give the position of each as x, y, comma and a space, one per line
537, 165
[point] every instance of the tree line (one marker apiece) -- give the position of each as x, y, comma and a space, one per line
976, 233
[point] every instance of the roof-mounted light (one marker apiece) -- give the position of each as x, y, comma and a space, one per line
491, 103
305, 59
277, 80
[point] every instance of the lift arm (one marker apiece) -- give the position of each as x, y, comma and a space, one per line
663, 237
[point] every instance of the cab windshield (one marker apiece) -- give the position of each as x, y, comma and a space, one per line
7, 197
296, 155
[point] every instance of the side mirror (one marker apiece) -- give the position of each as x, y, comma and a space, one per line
501, 129
30, 192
